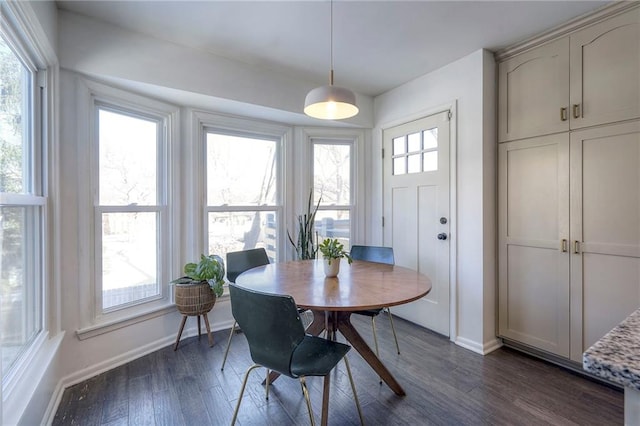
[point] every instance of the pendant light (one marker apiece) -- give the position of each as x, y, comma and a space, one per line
330, 102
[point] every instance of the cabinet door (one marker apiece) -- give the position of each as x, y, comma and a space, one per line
533, 261
533, 89
605, 70
605, 221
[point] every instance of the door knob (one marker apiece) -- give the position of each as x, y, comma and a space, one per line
442, 236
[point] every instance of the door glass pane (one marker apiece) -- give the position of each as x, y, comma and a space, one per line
128, 159
414, 142
129, 257
400, 166
240, 171
399, 146
20, 278
236, 231
14, 125
431, 161
334, 224
413, 163
332, 173
430, 138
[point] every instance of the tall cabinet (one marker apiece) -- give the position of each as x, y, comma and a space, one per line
569, 185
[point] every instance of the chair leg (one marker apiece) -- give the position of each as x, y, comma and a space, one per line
184, 320
267, 383
305, 392
325, 400
198, 327
244, 384
375, 336
209, 335
353, 388
226, 352
393, 328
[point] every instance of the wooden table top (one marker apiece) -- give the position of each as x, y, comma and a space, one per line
359, 286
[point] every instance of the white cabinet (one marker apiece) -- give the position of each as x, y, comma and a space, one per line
587, 78
569, 186
533, 92
605, 223
533, 177
605, 71
569, 236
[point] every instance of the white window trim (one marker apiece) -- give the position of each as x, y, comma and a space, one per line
90, 94
203, 122
20, 24
304, 162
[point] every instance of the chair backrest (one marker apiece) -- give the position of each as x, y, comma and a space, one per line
373, 254
240, 261
271, 325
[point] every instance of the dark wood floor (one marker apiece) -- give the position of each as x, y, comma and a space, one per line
445, 385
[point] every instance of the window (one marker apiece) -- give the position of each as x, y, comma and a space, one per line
130, 207
22, 206
243, 192
415, 152
332, 181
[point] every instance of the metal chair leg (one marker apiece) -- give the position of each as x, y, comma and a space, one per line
305, 392
375, 336
244, 384
267, 383
353, 388
226, 352
393, 328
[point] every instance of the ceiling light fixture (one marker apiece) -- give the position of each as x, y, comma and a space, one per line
330, 102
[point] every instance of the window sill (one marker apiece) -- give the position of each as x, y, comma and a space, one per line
107, 327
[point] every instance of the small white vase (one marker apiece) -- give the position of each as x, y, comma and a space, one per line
331, 269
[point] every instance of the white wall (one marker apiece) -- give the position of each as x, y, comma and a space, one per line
102, 50
470, 83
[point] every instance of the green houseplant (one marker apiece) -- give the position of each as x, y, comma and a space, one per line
209, 270
332, 249
196, 292
305, 245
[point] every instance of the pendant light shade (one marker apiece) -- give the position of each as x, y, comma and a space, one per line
330, 102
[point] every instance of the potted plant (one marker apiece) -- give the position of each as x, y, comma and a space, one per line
332, 251
196, 292
305, 245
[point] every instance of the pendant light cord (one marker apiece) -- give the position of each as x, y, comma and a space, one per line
331, 41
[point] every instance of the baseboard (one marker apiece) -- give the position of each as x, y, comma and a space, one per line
479, 348
101, 367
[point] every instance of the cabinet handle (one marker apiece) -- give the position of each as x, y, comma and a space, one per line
576, 247
576, 110
563, 114
563, 245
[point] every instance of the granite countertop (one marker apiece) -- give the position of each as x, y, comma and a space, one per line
616, 357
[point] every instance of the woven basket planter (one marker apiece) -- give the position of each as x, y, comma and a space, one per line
194, 299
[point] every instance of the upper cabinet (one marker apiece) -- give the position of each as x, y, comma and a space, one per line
605, 71
588, 78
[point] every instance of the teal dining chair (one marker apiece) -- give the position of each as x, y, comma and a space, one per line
277, 341
378, 255
237, 263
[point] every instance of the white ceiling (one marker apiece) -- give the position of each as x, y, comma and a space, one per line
378, 45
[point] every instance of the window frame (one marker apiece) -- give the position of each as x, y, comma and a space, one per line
304, 170
204, 123
34, 197
92, 97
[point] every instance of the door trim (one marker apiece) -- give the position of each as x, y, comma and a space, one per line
453, 199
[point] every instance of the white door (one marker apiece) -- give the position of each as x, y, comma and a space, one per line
416, 211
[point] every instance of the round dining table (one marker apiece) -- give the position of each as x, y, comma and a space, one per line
359, 286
